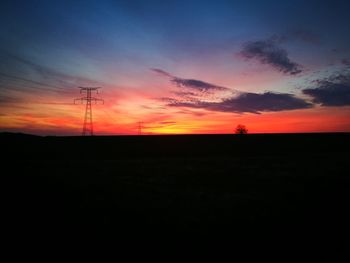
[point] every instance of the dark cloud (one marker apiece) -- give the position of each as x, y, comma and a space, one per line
268, 52
194, 84
239, 103
333, 91
197, 85
248, 102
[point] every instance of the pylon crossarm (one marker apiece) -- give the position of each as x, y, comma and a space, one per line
86, 89
89, 88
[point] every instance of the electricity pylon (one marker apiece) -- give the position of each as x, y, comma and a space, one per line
139, 128
88, 128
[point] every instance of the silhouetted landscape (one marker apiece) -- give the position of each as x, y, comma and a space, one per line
290, 185
219, 122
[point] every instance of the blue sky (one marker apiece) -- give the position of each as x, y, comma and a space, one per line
116, 43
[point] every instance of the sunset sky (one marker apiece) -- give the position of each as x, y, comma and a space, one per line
176, 66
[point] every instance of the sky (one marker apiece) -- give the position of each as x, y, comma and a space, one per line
179, 67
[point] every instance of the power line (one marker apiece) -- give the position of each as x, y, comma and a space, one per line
88, 128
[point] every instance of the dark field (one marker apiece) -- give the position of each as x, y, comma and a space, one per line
291, 188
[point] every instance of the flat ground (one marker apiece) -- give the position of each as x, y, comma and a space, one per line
293, 186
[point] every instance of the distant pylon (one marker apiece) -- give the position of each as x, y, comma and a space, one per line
88, 128
139, 128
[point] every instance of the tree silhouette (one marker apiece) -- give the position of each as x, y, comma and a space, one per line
241, 129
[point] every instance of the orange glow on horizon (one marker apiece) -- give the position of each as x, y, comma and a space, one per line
123, 110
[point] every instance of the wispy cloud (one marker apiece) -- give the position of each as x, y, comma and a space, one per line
162, 72
167, 122
31, 84
198, 113
31, 73
7, 99
269, 52
306, 35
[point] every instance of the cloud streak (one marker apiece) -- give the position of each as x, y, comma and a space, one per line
268, 52
27, 72
167, 122
197, 85
194, 84
162, 72
235, 101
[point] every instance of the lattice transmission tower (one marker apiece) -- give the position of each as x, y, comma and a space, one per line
139, 127
88, 127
